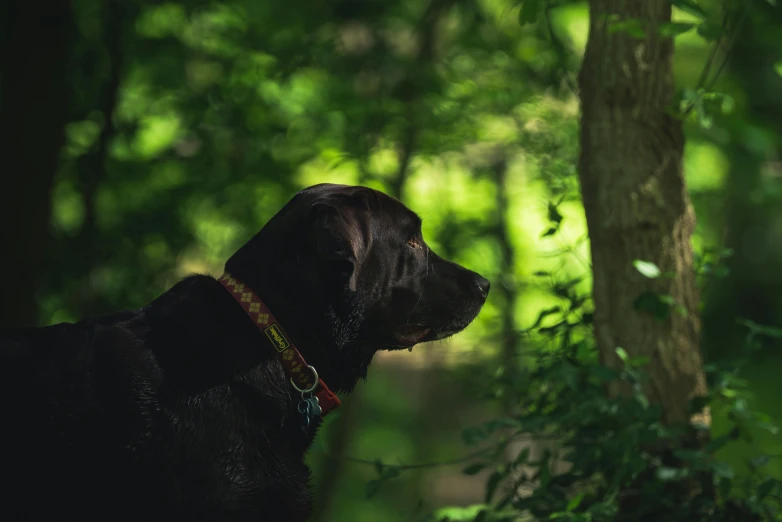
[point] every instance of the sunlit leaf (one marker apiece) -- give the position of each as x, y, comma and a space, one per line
674, 29
670, 474
459, 514
647, 268
632, 26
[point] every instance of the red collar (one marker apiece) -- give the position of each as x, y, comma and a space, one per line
290, 357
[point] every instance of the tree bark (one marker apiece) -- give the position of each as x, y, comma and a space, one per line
636, 201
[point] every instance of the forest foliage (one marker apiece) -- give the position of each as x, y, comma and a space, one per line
190, 123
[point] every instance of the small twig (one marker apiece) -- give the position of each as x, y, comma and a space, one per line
734, 34
449, 462
568, 248
435, 464
729, 48
712, 54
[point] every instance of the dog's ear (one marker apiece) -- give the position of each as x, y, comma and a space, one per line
342, 233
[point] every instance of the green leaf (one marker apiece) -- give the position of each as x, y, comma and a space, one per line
762, 330
674, 29
690, 7
631, 26
553, 213
689, 455
575, 502
491, 485
647, 269
530, 10
669, 474
655, 304
550, 232
622, 354
474, 435
459, 514
474, 469
718, 442
766, 487
723, 469
523, 456
760, 462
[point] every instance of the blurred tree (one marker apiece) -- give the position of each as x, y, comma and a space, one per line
32, 122
190, 123
507, 287
91, 167
636, 202
751, 214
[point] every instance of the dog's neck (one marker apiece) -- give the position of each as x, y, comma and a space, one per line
202, 340
324, 335
303, 377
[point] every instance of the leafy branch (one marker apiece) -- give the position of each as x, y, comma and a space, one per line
704, 84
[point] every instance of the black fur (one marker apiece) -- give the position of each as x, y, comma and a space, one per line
181, 410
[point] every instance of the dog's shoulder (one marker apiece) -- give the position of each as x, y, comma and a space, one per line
20, 344
65, 353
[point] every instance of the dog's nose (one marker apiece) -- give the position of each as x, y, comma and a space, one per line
483, 285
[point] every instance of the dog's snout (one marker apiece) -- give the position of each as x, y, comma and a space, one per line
483, 285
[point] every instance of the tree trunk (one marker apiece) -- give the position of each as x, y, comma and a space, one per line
32, 121
636, 201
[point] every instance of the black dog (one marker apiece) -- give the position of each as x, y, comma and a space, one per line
189, 408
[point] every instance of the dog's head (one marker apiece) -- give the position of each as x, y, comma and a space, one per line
358, 256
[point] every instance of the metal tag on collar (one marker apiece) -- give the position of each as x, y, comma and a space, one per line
309, 406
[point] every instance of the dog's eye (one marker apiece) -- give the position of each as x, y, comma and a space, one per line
414, 243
